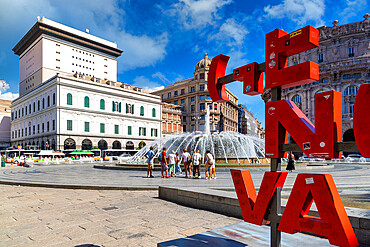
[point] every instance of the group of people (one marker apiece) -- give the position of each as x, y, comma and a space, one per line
170, 164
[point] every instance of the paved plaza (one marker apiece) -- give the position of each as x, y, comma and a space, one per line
131, 214
31, 216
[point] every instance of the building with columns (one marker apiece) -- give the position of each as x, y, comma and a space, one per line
70, 97
344, 59
192, 96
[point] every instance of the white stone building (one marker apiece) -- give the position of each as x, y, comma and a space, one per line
69, 97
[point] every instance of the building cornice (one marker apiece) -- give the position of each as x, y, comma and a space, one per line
42, 28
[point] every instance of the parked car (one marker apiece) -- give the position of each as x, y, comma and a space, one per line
304, 158
353, 158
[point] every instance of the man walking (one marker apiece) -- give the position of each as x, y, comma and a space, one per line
186, 158
163, 160
150, 156
196, 164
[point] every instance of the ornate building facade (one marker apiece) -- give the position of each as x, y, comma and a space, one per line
171, 119
192, 96
247, 124
344, 59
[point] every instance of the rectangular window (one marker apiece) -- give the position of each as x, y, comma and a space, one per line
192, 89
182, 91
69, 124
208, 96
33, 129
47, 126
325, 80
169, 95
357, 75
175, 93
201, 97
102, 128
351, 51
192, 108
53, 124
144, 131
321, 58
202, 106
201, 87
183, 101
192, 99
87, 126
347, 77
129, 130
116, 129
176, 102
201, 76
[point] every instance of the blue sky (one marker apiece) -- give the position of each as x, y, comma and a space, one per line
163, 40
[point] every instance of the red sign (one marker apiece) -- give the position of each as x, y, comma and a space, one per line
333, 223
284, 116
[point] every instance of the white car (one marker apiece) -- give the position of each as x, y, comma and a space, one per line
354, 158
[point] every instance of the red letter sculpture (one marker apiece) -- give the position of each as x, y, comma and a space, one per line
284, 115
333, 224
254, 209
361, 120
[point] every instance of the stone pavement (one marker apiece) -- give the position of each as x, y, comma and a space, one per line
31, 216
346, 176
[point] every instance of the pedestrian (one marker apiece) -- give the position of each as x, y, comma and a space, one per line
186, 158
196, 164
163, 160
290, 167
208, 163
177, 164
171, 163
150, 156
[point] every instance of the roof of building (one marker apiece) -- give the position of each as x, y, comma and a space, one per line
204, 63
52, 28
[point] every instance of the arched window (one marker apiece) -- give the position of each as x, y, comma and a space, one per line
351, 90
69, 99
297, 99
102, 104
87, 102
153, 112
141, 110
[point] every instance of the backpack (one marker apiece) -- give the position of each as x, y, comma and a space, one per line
160, 157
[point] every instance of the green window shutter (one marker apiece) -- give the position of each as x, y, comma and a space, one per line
129, 130
139, 131
69, 99
132, 109
87, 127
141, 110
113, 106
87, 102
153, 112
102, 104
151, 132
102, 128
126, 108
116, 131
69, 124
144, 129
119, 107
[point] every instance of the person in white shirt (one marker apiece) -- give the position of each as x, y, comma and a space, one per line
196, 164
209, 164
171, 163
186, 158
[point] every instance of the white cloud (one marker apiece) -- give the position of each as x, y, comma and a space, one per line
353, 7
146, 84
103, 18
237, 59
161, 77
9, 95
231, 33
194, 14
301, 11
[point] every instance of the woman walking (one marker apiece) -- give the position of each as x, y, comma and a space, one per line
290, 167
171, 163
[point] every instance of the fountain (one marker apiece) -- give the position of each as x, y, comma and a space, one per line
226, 146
